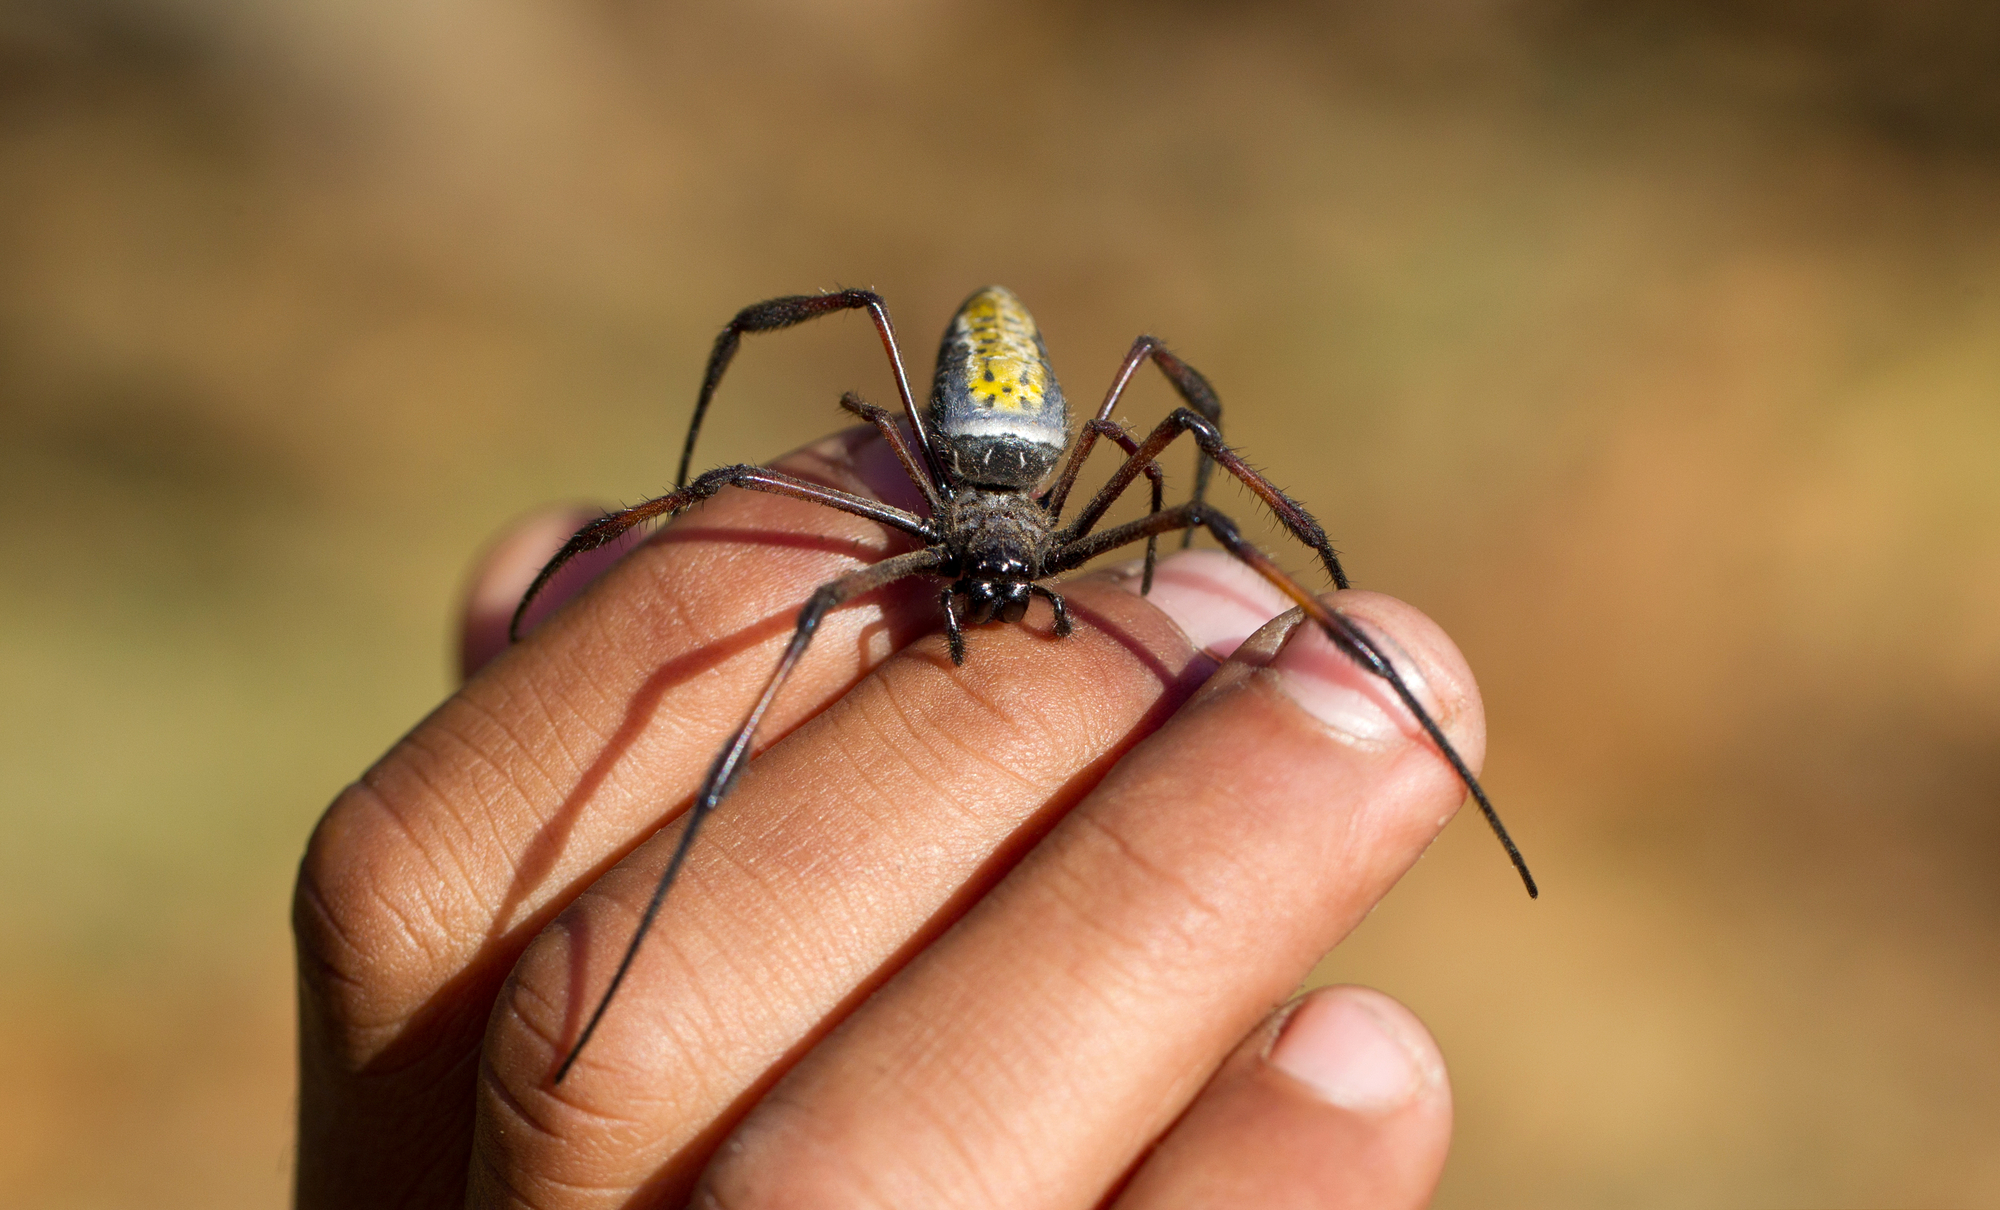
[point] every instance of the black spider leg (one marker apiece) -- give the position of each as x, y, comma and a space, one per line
885, 423
1112, 429
610, 526
729, 762
1194, 391
796, 309
1183, 420
1342, 630
1056, 603
954, 635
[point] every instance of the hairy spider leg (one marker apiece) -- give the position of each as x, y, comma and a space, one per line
776, 313
1056, 603
954, 635
758, 478
1194, 391
885, 423
1184, 420
1338, 627
729, 761
1158, 481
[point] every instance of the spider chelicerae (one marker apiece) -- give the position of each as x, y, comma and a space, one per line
996, 429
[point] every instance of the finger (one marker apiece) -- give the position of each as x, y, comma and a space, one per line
425, 879
505, 568
1074, 1012
1339, 1103
842, 851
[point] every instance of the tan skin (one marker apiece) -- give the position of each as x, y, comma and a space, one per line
1013, 935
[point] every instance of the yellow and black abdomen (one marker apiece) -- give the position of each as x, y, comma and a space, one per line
995, 404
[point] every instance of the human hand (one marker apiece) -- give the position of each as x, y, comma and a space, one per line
1006, 935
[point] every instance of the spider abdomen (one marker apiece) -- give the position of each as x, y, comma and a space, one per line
995, 402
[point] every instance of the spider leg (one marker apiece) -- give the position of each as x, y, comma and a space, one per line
953, 634
758, 478
1056, 603
1194, 391
1184, 420
796, 309
729, 761
1341, 629
1115, 431
885, 423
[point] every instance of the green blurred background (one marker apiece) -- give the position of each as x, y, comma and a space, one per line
1651, 347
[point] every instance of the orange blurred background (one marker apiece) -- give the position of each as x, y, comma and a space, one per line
1652, 347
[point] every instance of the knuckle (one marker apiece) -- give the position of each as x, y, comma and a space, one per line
335, 896
530, 1129
397, 886
357, 937
1182, 917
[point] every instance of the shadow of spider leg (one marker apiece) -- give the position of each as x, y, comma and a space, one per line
1343, 632
611, 526
729, 762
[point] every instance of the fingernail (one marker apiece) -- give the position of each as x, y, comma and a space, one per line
1215, 599
1339, 692
1337, 1045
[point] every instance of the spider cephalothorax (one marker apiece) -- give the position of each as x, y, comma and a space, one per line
998, 542
996, 429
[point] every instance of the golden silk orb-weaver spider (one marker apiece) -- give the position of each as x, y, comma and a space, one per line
996, 429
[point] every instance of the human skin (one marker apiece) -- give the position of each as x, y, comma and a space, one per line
1017, 934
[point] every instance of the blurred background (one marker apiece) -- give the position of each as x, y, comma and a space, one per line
1652, 347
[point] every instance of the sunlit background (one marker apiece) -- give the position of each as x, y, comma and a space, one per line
1652, 347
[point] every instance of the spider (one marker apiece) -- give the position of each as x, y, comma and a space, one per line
997, 427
